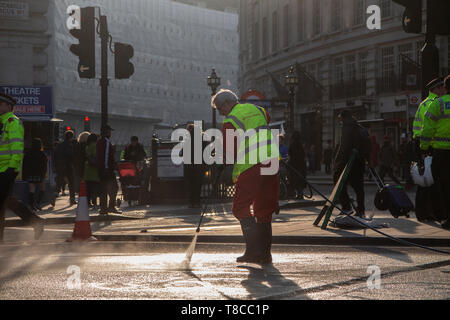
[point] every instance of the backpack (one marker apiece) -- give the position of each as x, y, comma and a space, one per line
364, 143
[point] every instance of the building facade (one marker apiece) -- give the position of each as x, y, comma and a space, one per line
334, 50
176, 45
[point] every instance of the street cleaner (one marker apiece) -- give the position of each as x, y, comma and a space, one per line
250, 145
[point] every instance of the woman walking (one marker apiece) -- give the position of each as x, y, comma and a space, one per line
91, 176
34, 172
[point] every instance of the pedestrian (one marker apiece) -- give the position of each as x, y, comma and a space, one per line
312, 159
11, 158
91, 176
351, 139
194, 171
284, 149
388, 159
80, 157
328, 157
255, 176
406, 153
427, 198
106, 165
34, 172
435, 139
374, 152
134, 152
64, 161
297, 161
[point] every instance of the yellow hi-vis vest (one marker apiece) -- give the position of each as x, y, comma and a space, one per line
436, 125
420, 114
11, 142
256, 141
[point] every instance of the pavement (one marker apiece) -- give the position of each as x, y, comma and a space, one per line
177, 223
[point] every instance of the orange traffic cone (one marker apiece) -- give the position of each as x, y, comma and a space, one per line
82, 230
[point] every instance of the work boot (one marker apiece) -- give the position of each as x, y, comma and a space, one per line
248, 227
264, 243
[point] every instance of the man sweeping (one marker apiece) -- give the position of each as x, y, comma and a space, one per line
249, 144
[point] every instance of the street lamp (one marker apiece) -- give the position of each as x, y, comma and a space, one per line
214, 83
291, 81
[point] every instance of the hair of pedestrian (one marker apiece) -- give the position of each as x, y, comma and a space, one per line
92, 139
134, 138
69, 135
222, 97
82, 137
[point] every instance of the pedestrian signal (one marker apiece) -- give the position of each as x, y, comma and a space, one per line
85, 49
412, 17
124, 69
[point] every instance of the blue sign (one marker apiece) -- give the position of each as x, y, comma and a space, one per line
31, 101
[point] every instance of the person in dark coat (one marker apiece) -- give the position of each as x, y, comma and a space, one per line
350, 140
34, 171
297, 160
106, 165
194, 172
388, 158
328, 157
64, 162
135, 151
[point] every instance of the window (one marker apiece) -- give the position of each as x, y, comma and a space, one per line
336, 15
338, 71
407, 50
358, 12
300, 19
363, 66
350, 68
265, 37
386, 8
316, 18
286, 25
256, 41
274, 31
387, 62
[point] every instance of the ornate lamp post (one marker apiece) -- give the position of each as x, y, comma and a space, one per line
214, 83
291, 81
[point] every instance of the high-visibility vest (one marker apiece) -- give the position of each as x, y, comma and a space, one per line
436, 125
256, 142
11, 142
418, 119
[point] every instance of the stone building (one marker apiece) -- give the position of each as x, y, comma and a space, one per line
341, 63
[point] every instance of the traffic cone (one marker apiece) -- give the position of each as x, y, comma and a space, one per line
82, 230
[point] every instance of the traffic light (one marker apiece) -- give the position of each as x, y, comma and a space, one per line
85, 50
68, 128
439, 16
87, 124
124, 69
412, 17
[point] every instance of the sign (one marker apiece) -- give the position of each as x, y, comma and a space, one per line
14, 10
166, 167
31, 100
253, 95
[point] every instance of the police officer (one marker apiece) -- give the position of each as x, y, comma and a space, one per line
426, 209
256, 179
435, 140
11, 157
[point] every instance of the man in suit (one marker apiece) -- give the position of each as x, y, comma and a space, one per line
106, 166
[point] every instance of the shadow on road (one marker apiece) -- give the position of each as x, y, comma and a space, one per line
267, 282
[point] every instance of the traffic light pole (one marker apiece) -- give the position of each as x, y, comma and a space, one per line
104, 81
430, 54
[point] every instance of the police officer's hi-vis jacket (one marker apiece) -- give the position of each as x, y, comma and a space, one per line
420, 114
256, 141
11, 142
436, 126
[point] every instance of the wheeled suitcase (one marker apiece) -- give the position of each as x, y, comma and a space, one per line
391, 197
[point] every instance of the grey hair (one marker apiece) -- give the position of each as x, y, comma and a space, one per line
221, 97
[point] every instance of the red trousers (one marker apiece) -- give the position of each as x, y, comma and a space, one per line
258, 190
